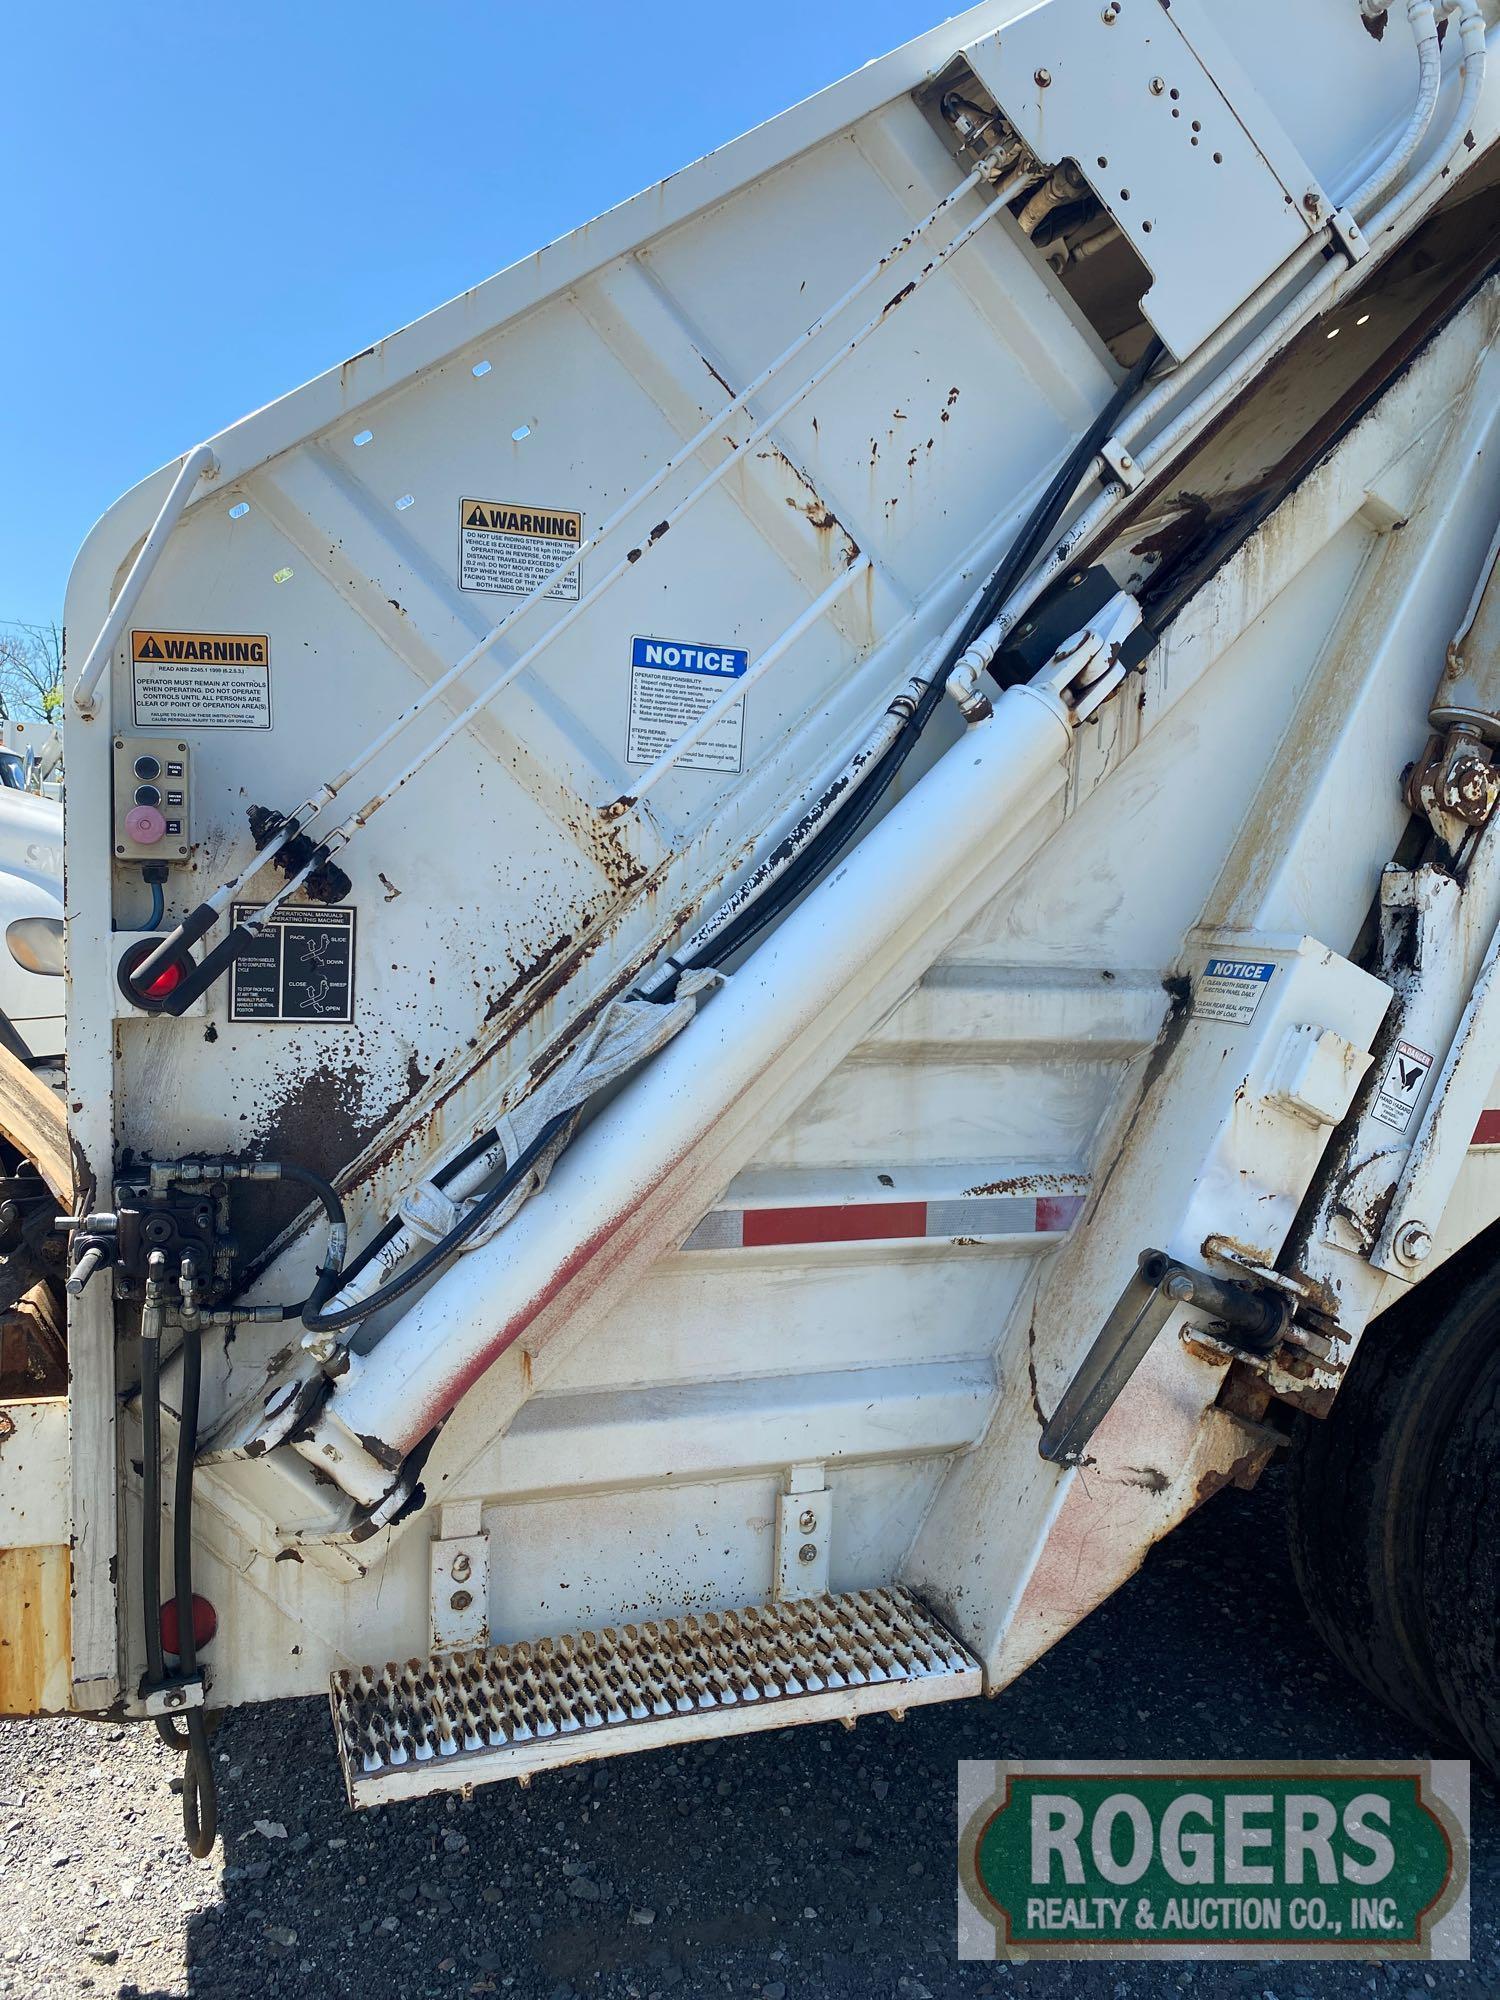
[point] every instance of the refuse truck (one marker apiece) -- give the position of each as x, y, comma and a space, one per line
784, 929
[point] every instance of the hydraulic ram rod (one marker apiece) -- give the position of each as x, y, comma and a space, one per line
611, 1197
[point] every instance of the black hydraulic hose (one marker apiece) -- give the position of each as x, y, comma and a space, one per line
834, 836
431, 1259
377, 1243
329, 1275
156, 1672
200, 1805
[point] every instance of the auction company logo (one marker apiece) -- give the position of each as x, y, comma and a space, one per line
1245, 1860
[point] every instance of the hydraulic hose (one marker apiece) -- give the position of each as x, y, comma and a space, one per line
151, 1325
1422, 20
432, 1259
834, 835
200, 1806
330, 1271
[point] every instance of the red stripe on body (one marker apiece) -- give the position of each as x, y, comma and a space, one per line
847, 1222
1057, 1211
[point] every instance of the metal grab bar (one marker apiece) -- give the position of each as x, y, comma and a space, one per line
200, 463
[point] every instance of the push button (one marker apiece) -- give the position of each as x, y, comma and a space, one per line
145, 825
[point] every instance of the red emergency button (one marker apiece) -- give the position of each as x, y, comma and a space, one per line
145, 825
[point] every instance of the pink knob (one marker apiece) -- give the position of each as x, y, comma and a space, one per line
145, 825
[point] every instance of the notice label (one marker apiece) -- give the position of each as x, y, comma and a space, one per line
507, 545
1401, 1086
200, 680
1230, 989
673, 684
301, 968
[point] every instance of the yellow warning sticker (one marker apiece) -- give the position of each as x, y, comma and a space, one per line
513, 546
200, 680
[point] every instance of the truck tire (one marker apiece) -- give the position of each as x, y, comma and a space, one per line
1364, 1483
1463, 1569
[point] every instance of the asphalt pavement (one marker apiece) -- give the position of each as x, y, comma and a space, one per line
805, 1864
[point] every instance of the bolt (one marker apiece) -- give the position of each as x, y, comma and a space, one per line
1158, 85
461, 1568
461, 1600
1044, 78
173, 1698
1413, 1243
1110, 15
807, 1520
808, 1553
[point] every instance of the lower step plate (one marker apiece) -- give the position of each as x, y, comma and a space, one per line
461, 1719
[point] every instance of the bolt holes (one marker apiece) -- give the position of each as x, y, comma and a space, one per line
1124, 194
1146, 228
520, 432
239, 510
1197, 124
480, 368
1175, 95
1193, 141
282, 576
362, 437
404, 502
1218, 159
1363, 320
1102, 161
1176, 114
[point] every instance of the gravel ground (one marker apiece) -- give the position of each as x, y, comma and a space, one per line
810, 1862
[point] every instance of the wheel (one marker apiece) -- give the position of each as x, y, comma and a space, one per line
1463, 1568
1365, 1483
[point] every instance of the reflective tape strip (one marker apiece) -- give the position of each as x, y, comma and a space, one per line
885, 1221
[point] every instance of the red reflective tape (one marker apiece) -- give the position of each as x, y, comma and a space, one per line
850, 1222
1487, 1131
1057, 1211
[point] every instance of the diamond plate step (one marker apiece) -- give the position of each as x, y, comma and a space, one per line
461, 1719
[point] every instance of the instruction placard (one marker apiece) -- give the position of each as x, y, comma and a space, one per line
200, 680
1401, 1086
1230, 989
508, 545
673, 684
300, 968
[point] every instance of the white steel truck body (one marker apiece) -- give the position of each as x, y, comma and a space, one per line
838, 816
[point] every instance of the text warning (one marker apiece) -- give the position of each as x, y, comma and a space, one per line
200, 680
300, 968
503, 545
673, 685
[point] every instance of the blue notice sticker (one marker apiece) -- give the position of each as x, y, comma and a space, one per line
1230, 989
673, 684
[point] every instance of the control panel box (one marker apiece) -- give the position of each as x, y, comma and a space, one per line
153, 798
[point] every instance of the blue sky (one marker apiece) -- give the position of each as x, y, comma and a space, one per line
207, 204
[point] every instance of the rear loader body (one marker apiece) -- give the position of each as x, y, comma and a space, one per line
828, 913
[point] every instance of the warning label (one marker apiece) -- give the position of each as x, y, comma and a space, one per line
673, 685
300, 968
1401, 1086
503, 545
1230, 989
200, 680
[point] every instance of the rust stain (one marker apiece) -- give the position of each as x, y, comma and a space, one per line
1033, 1184
36, 1634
